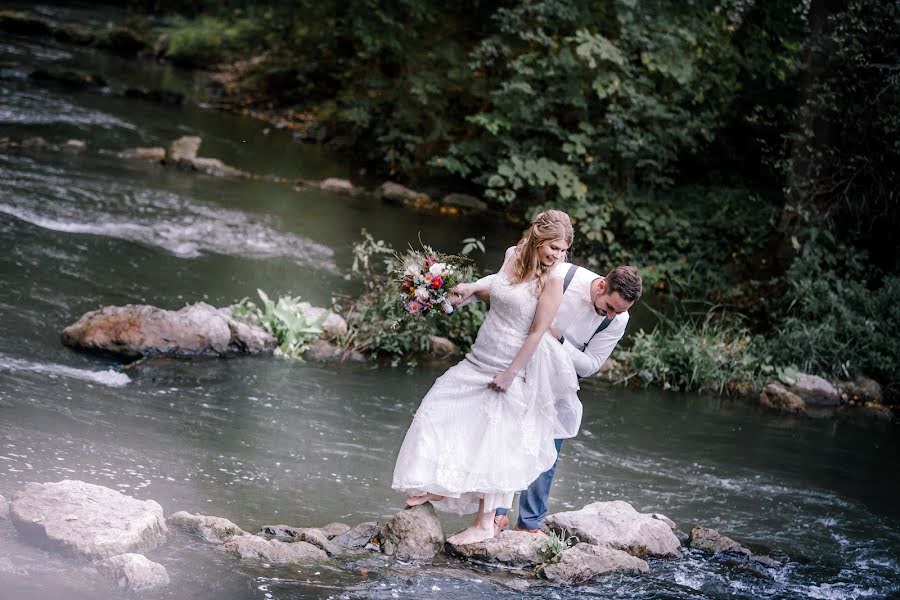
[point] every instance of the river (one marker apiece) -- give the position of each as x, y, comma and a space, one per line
263, 440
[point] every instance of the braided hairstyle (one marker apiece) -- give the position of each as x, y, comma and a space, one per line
545, 227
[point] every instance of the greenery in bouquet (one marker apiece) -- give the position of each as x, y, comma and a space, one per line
381, 322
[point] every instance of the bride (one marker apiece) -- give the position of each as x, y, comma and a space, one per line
486, 428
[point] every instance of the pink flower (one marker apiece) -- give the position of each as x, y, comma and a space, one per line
414, 307
429, 260
437, 282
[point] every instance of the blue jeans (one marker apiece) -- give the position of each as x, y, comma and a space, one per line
533, 501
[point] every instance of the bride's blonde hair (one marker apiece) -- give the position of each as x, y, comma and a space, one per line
545, 227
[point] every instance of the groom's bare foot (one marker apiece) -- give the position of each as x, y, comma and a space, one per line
475, 533
417, 500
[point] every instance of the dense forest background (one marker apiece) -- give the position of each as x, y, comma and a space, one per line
743, 154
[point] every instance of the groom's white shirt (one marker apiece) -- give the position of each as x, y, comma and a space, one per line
577, 320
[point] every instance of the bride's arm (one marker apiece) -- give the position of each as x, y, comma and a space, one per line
548, 304
466, 293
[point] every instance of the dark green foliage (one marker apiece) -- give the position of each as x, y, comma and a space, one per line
840, 317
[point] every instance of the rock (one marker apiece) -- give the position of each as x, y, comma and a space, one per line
211, 529
35, 142
325, 351
705, 538
778, 397
133, 572
441, 347
395, 193
107, 522
184, 148
157, 96
69, 78
511, 548
340, 186
862, 389
183, 154
356, 538
134, 330
273, 551
121, 40
815, 391
22, 23
766, 561
333, 325
4, 508
310, 535
335, 529
74, 34
617, 525
665, 520
868, 411
465, 201
584, 562
412, 534
75, 146
155, 154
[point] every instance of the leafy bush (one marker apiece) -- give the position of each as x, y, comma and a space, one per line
710, 354
283, 319
841, 317
207, 41
377, 321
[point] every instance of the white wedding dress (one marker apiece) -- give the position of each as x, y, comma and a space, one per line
468, 442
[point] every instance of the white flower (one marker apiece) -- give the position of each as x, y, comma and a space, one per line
437, 269
412, 271
421, 294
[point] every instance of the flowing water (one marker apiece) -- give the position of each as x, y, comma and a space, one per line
262, 440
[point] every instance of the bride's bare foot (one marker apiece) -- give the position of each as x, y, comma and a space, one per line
476, 533
417, 500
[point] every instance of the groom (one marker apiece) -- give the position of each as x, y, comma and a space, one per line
590, 322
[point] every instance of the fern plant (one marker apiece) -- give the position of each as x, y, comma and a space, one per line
284, 319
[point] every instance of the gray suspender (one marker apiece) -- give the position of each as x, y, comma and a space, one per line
606, 320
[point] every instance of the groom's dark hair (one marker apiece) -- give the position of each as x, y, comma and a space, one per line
625, 280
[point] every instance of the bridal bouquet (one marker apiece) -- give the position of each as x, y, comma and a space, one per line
426, 278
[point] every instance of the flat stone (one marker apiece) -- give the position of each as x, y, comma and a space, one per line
777, 397
133, 572
619, 526
310, 535
465, 201
106, 522
75, 146
412, 534
705, 538
357, 537
211, 529
335, 529
155, 154
340, 186
583, 562
274, 551
140, 330
511, 548
815, 391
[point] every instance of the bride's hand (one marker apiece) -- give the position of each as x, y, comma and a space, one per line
501, 381
461, 293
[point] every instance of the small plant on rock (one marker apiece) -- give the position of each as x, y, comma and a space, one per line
557, 541
285, 320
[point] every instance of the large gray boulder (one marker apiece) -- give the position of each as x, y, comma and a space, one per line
706, 538
619, 526
133, 572
815, 391
412, 534
89, 521
777, 397
357, 537
137, 329
583, 562
273, 551
511, 548
211, 529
